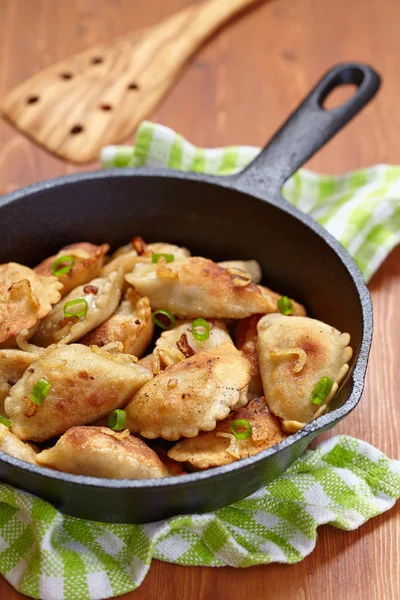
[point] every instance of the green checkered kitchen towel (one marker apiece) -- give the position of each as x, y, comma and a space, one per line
344, 481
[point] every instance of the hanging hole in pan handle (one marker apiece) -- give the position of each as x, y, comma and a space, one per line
308, 128
360, 78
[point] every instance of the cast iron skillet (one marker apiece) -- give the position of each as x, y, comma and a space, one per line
243, 216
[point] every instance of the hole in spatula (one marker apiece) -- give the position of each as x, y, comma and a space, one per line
32, 99
76, 129
133, 86
66, 76
340, 95
106, 107
97, 60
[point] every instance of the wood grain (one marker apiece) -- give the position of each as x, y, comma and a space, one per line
238, 90
80, 104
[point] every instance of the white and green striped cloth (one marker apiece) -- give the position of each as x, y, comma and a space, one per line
344, 482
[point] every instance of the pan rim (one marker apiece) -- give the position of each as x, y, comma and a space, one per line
313, 428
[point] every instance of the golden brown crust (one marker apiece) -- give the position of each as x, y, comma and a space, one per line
138, 251
273, 297
295, 354
246, 336
251, 267
101, 452
131, 324
100, 306
198, 287
180, 340
88, 258
191, 395
25, 297
10, 444
86, 384
13, 364
211, 449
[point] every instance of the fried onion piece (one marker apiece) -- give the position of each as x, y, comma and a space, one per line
25, 297
88, 260
251, 267
100, 299
220, 446
131, 324
295, 353
138, 251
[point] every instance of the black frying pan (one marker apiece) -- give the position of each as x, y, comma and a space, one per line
242, 216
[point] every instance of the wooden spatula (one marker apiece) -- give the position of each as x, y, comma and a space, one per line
99, 96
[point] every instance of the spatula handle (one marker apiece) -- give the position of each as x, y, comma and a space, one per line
201, 20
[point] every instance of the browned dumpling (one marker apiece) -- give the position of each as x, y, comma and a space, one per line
101, 452
101, 295
198, 287
85, 384
220, 447
138, 251
191, 395
25, 297
178, 343
131, 324
13, 364
295, 353
10, 444
273, 297
87, 262
246, 336
251, 267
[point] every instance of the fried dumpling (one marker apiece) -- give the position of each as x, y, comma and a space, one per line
295, 353
197, 287
272, 299
131, 324
25, 297
191, 395
10, 444
101, 452
220, 446
180, 340
251, 267
13, 364
85, 266
85, 384
246, 336
100, 299
138, 251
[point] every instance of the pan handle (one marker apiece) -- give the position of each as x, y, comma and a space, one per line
308, 128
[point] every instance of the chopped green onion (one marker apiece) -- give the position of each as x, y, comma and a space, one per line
285, 306
40, 391
168, 257
163, 318
237, 429
5, 421
76, 312
321, 390
204, 332
117, 420
62, 265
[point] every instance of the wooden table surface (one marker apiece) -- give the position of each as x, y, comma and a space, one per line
238, 89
